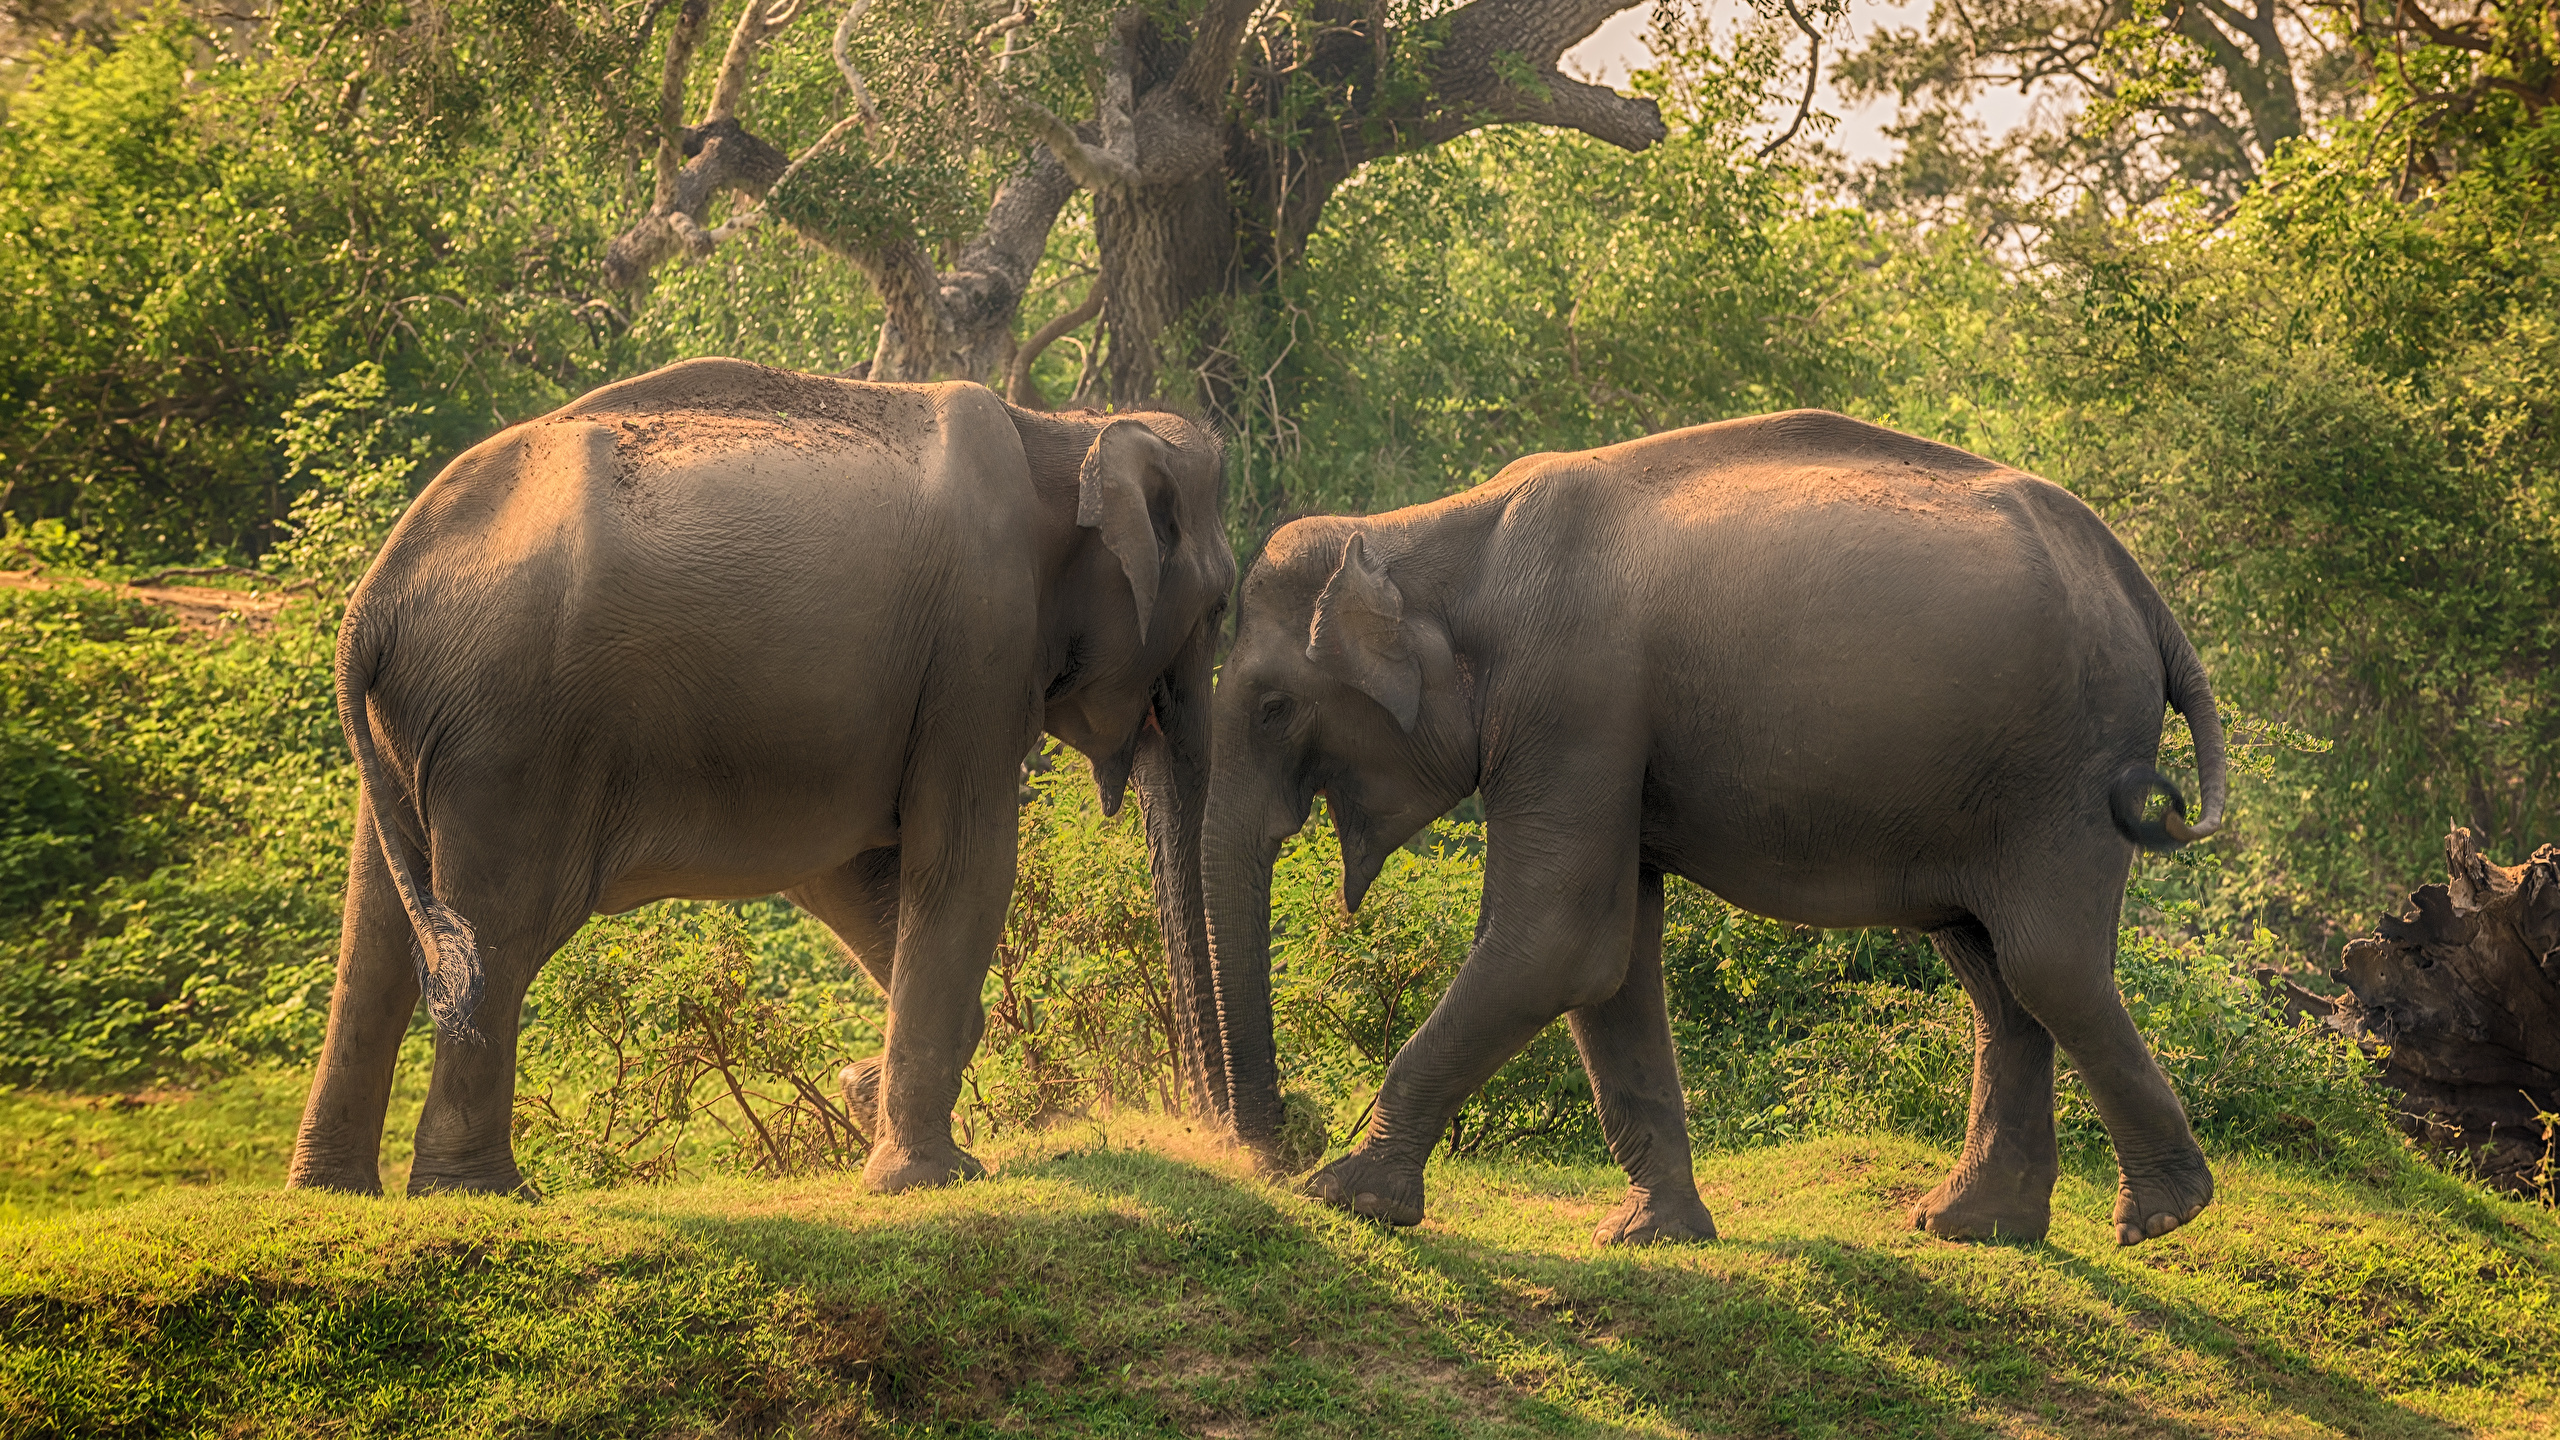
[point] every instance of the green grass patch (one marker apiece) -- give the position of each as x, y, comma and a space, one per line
1128, 1279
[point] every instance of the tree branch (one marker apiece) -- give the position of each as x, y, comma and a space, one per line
843, 52
1018, 387
1209, 66
1499, 64
1812, 73
755, 25
680, 43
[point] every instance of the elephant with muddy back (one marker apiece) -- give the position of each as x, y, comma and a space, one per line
1834, 674
722, 631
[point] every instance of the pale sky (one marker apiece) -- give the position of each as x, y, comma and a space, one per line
1618, 46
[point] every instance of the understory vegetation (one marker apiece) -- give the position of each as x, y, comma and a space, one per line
202, 777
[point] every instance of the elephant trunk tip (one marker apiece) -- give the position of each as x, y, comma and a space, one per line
1287, 1138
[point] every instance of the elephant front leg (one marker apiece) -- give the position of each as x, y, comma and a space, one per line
954, 883
1626, 1048
2002, 1185
858, 903
1553, 889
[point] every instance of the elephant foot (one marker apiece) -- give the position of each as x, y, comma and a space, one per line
435, 1180
1366, 1185
342, 1179
1980, 1205
892, 1170
2151, 1205
1646, 1217
861, 1083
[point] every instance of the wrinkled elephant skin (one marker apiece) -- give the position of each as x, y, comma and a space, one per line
722, 631
1835, 674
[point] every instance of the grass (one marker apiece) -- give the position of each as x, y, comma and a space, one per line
77, 1152
1130, 1279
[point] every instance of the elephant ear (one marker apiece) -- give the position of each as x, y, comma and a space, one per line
1358, 634
1111, 497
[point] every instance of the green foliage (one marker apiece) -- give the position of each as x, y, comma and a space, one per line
652, 1019
344, 444
173, 846
1453, 314
194, 238
1347, 990
2326, 429
849, 200
1079, 1011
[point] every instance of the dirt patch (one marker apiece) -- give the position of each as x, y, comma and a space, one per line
197, 607
724, 405
141, 1099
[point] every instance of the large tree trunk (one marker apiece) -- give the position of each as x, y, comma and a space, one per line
2463, 991
1210, 160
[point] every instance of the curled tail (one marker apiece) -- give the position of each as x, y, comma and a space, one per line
2131, 794
440, 940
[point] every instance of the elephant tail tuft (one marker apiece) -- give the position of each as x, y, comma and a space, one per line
441, 944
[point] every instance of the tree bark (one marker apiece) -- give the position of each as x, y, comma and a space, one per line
2462, 991
1208, 167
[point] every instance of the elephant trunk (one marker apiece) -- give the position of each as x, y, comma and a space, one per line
1238, 879
1171, 772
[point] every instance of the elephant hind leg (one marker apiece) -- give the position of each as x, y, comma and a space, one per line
858, 903
519, 920
339, 1145
2002, 1185
2061, 968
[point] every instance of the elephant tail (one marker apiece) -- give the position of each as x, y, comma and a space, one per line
440, 940
2192, 695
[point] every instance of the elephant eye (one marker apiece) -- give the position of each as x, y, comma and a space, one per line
1276, 709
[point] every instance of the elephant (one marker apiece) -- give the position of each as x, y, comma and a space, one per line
723, 631
1834, 674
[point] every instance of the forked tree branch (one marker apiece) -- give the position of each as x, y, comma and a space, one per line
1812, 73
1499, 64
1018, 387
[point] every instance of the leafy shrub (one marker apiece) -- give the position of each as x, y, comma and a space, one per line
645, 1023
347, 451
1079, 1014
1348, 990
171, 841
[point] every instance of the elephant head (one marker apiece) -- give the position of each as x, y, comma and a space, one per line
1130, 505
1344, 681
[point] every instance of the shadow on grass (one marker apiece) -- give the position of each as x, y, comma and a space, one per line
1188, 1298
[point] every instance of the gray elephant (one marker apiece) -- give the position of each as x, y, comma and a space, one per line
1834, 674
724, 631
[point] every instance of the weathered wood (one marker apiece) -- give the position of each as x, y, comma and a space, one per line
2460, 995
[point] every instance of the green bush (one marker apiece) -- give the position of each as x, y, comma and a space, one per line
172, 841
647, 1022
1079, 1011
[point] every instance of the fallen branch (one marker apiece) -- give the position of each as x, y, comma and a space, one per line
2460, 993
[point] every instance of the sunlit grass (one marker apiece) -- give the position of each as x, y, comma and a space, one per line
1130, 1277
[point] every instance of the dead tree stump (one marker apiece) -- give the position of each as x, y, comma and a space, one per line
2462, 992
